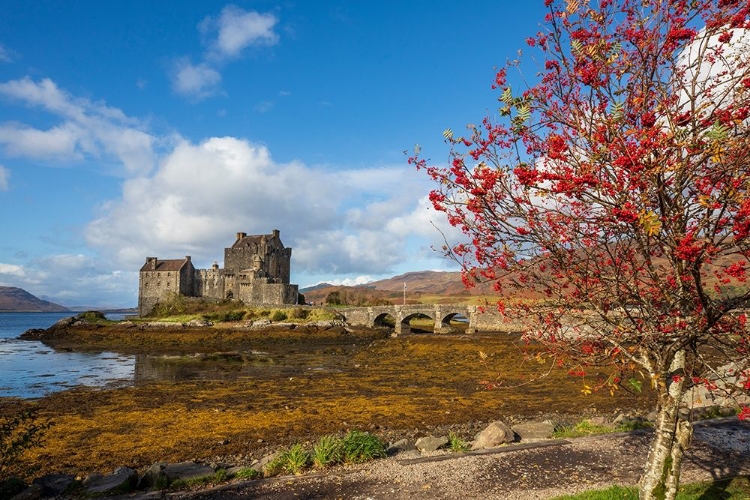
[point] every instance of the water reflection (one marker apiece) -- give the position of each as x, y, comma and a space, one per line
213, 366
32, 369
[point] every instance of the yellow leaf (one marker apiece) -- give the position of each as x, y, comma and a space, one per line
482, 354
650, 222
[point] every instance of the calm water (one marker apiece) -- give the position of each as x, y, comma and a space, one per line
30, 369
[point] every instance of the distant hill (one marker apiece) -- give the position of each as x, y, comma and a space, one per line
444, 287
315, 287
14, 299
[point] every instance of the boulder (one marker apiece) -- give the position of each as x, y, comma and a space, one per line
493, 435
430, 443
186, 470
33, 492
153, 476
122, 480
400, 446
534, 430
54, 484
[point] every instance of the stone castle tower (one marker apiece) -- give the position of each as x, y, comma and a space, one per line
256, 271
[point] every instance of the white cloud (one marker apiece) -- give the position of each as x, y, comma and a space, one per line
4, 177
227, 36
72, 279
88, 129
202, 194
264, 106
11, 270
56, 143
7, 55
195, 81
236, 29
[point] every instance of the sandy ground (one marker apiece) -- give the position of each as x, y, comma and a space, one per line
720, 449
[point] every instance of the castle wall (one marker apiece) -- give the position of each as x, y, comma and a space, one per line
209, 283
260, 292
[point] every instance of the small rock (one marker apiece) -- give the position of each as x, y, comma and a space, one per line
186, 470
534, 430
400, 446
493, 435
266, 460
123, 480
430, 443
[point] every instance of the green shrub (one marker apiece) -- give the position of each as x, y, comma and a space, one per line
19, 433
456, 444
92, 316
234, 316
299, 313
327, 451
278, 316
361, 447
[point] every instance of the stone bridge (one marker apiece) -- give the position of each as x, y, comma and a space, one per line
442, 314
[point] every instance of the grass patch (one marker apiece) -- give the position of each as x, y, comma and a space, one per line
456, 444
361, 447
247, 473
729, 489
586, 428
328, 451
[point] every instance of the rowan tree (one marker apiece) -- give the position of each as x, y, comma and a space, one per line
616, 186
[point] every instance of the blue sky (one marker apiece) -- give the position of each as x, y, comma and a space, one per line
134, 129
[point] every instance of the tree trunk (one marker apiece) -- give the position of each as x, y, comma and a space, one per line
672, 437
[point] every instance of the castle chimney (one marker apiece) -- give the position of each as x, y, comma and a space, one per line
240, 236
151, 262
275, 233
187, 258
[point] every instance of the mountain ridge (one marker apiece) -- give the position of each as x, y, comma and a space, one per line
14, 299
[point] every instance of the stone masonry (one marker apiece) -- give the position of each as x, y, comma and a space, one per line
256, 271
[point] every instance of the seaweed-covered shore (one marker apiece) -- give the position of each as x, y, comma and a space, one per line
312, 381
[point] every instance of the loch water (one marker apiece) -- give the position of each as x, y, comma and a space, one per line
30, 369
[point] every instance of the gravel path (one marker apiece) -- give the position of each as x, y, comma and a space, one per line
720, 448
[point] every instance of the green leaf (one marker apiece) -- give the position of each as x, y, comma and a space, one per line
577, 46
636, 384
718, 132
507, 95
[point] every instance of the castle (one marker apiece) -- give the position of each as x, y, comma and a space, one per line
256, 271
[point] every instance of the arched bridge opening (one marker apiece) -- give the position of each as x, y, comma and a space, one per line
384, 320
422, 323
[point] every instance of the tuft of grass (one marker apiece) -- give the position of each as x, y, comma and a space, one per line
247, 473
581, 429
327, 451
737, 488
295, 459
611, 493
361, 447
456, 444
632, 426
